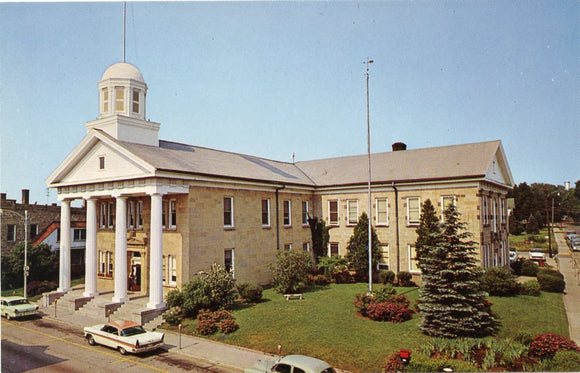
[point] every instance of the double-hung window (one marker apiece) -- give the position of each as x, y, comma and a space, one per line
333, 212
79, 234
265, 212
304, 213
228, 211
229, 261
136, 101
164, 214
11, 234
352, 206
413, 210
333, 248
103, 215
119, 99
287, 213
131, 214
381, 214
139, 215
111, 215
172, 214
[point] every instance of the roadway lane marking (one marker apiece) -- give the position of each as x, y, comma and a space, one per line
90, 348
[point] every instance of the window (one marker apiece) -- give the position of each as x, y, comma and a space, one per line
172, 214
494, 214
228, 211
102, 263
119, 98
333, 248
105, 263
484, 211
11, 234
502, 210
266, 212
445, 202
304, 212
413, 259
287, 213
139, 215
306, 246
287, 246
57, 234
384, 260
111, 215
79, 234
381, 214
33, 230
101, 162
109, 263
172, 269
333, 212
164, 214
229, 261
413, 210
105, 100
103, 215
130, 214
352, 207
135, 101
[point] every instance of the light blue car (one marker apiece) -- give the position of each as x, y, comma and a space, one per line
291, 364
13, 307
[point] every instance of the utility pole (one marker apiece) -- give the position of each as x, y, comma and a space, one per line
368, 62
26, 268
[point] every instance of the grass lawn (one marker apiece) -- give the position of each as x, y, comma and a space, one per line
519, 242
325, 325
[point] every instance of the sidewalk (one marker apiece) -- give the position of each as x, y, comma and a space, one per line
227, 357
568, 264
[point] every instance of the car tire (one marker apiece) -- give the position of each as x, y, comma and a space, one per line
91, 340
122, 351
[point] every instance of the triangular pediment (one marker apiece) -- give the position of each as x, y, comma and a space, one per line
99, 158
498, 169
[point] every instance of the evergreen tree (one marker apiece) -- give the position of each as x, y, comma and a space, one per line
429, 227
452, 301
532, 227
357, 255
320, 237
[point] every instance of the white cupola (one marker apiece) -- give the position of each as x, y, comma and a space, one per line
122, 106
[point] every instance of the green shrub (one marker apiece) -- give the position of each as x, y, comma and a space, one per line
387, 277
383, 293
531, 287
332, 264
404, 278
319, 280
524, 338
498, 281
423, 363
551, 272
362, 302
174, 298
343, 277
38, 287
530, 268
291, 270
551, 283
173, 316
250, 292
516, 266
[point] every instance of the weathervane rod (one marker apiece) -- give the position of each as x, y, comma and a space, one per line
124, 27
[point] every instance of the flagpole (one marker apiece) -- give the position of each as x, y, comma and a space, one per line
368, 61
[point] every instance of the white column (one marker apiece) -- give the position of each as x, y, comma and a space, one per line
91, 250
156, 254
64, 265
120, 250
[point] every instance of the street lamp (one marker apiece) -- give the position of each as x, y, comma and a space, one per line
368, 62
25, 268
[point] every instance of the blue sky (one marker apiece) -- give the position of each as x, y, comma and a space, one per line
275, 78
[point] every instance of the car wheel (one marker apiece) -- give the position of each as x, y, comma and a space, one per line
122, 351
91, 340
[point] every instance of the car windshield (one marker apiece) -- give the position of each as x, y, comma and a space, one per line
18, 301
134, 330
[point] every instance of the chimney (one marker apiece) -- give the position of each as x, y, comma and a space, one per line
3, 196
25, 195
399, 146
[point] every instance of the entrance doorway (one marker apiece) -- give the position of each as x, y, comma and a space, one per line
135, 273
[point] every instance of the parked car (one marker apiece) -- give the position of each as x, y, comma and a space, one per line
576, 246
125, 336
291, 364
537, 254
513, 254
13, 307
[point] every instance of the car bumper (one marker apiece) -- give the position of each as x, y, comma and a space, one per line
145, 348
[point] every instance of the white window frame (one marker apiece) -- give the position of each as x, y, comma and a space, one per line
139, 215
306, 246
106, 97
231, 212
330, 221
103, 215
164, 206
305, 211
267, 223
172, 214
110, 216
412, 254
11, 227
78, 236
409, 221
349, 208
135, 102
172, 270
494, 214
484, 209
287, 246
102, 263
442, 203
382, 223
287, 213
130, 214
120, 102
384, 248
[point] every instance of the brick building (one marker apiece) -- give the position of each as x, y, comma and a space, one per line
43, 226
158, 212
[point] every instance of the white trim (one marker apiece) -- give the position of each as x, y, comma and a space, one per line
377, 222
231, 212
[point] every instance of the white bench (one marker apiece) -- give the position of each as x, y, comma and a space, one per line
293, 296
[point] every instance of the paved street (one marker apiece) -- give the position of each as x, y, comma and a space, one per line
44, 345
569, 265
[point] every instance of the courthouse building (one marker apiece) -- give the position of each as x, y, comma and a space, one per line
158, 212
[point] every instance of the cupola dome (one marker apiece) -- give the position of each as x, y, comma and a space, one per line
123, 70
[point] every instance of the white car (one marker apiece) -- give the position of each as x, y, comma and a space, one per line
291, 363
14, 306
513, 254
124, 336
537, 254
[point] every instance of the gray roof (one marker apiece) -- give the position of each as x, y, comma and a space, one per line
438, 163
